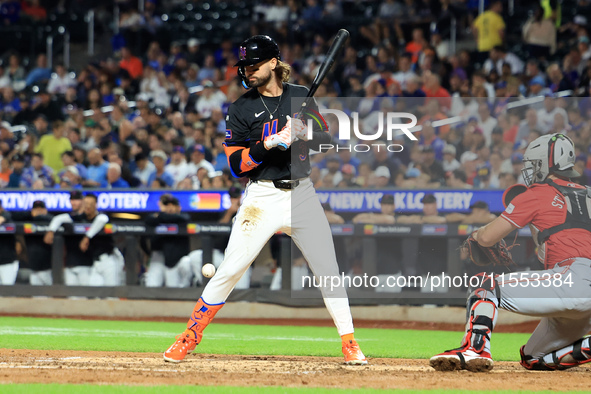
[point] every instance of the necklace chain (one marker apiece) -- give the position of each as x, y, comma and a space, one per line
276, 108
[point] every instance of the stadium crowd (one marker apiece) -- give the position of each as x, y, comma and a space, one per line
156, 118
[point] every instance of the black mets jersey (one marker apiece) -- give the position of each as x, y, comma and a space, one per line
254, 117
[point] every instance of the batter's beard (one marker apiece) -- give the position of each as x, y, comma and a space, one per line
258, 82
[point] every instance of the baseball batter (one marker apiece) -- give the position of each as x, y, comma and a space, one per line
279, 196
558, 213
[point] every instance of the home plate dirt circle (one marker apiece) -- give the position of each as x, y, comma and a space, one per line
61, 366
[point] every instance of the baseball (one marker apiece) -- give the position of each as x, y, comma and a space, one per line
208, 270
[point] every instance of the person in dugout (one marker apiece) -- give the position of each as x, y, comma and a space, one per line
175, 270
38, 252
78, 263
8, 260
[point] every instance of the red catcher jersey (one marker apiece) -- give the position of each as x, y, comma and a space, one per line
542, 206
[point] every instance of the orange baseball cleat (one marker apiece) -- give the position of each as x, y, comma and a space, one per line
184, 344
353, 354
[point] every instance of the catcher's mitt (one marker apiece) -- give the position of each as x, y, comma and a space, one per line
497, 254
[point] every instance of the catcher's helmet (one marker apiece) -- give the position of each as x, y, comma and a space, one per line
255, 50
549, 154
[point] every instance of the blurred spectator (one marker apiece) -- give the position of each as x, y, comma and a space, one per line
4, 78
8, 260
114, 179
18, 167
450, 163
432, 167
41, 73
480, 214
434, 91
37, 175
132, 64
207, 72
34, 10
5, 172
558, 81
160, 175
349, 173
198, 161
457, 180
430, 140
382, 177
38, 252
15, 71
60, 81
97, 169
47, 106
70, 178
404, 73
194, 55
332, 173
53, 145
211, 99
489, 28
144, 169
469, 162
385, 216
381, 157
539, 33
499, 57
178, 166
546, 115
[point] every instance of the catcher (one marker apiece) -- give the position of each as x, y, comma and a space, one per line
558, 213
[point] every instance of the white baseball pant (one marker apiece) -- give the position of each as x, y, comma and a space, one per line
77, 276
196, 257
41, 278
8, 273
565, 308
266, 210
178, 276
107, 270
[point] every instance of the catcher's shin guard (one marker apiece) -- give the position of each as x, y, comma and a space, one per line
474, 352
569, 356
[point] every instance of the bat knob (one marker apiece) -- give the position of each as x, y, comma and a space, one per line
282, 147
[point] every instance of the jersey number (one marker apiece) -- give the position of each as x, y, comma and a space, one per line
269, 128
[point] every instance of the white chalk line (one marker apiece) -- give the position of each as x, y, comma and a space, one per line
105, 333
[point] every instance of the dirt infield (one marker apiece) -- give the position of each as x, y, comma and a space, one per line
43, 366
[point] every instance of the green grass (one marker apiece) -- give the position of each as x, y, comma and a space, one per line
88, 389
134, 336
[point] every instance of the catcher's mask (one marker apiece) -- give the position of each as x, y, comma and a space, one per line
255, 50
549, 154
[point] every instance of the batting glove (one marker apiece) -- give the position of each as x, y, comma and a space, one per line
298, 128
283, 139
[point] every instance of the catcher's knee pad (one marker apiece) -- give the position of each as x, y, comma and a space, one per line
569, 356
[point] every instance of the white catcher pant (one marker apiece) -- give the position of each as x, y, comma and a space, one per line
8, 273
266, 210
107, 270
565, 308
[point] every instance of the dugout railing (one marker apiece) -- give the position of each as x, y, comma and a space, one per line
368, 236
